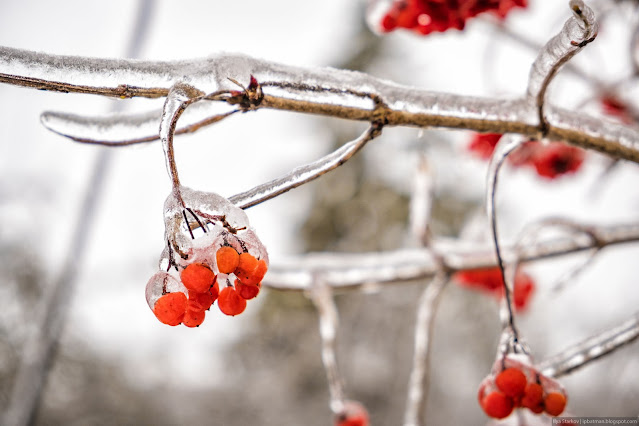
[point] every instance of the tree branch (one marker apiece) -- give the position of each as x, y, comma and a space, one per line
591, 349
346, 270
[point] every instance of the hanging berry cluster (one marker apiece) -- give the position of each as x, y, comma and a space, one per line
550, 160
516, 384
427, 16
490, 280
224, 262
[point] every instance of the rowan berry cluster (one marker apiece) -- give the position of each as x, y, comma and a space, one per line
427, 16
490, 280
549, 160
515, 384
226, 263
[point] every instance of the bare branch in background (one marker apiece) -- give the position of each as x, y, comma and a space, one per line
420, 373
591, 349
347, 270
322, 297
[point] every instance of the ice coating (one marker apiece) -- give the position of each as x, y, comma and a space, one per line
126, 129
578, 30
160, 284
303, 174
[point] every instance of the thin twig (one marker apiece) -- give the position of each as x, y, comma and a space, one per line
305, 174
591, 349
420, 373
322, 298
578, 31
506, 145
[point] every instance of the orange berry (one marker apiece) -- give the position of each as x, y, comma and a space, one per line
554, 403
170, 308
247, 291
497, 405
214, 291
227, 259
246, 264
193, 318
254, 277
199, 301
197, 277
533, 397
511, 382
230, 302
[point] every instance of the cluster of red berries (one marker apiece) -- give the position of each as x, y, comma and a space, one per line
490, 280
520, 386
354, 414
549, 160
427, 16
185, 303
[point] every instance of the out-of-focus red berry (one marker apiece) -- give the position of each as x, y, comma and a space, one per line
557, 159
497, 405
355, 414
523, 290
512, 382
483, 144
533, 398
554, 403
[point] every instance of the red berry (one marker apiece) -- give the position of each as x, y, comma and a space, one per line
230, 302
214, 291
193, 318
170, 308
533, 398
497, 405
554, 403
246, 264
354, 414
557, 159
511, 382
523, 290
247, 291
227, 259
197, 277
255, 276
483, 144
200, 301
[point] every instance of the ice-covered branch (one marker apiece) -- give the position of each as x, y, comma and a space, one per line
305, 174
579, 30
322, 298
419, 375
355, 270
591, 349
322, 91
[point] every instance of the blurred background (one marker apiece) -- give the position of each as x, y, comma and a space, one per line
117, 365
